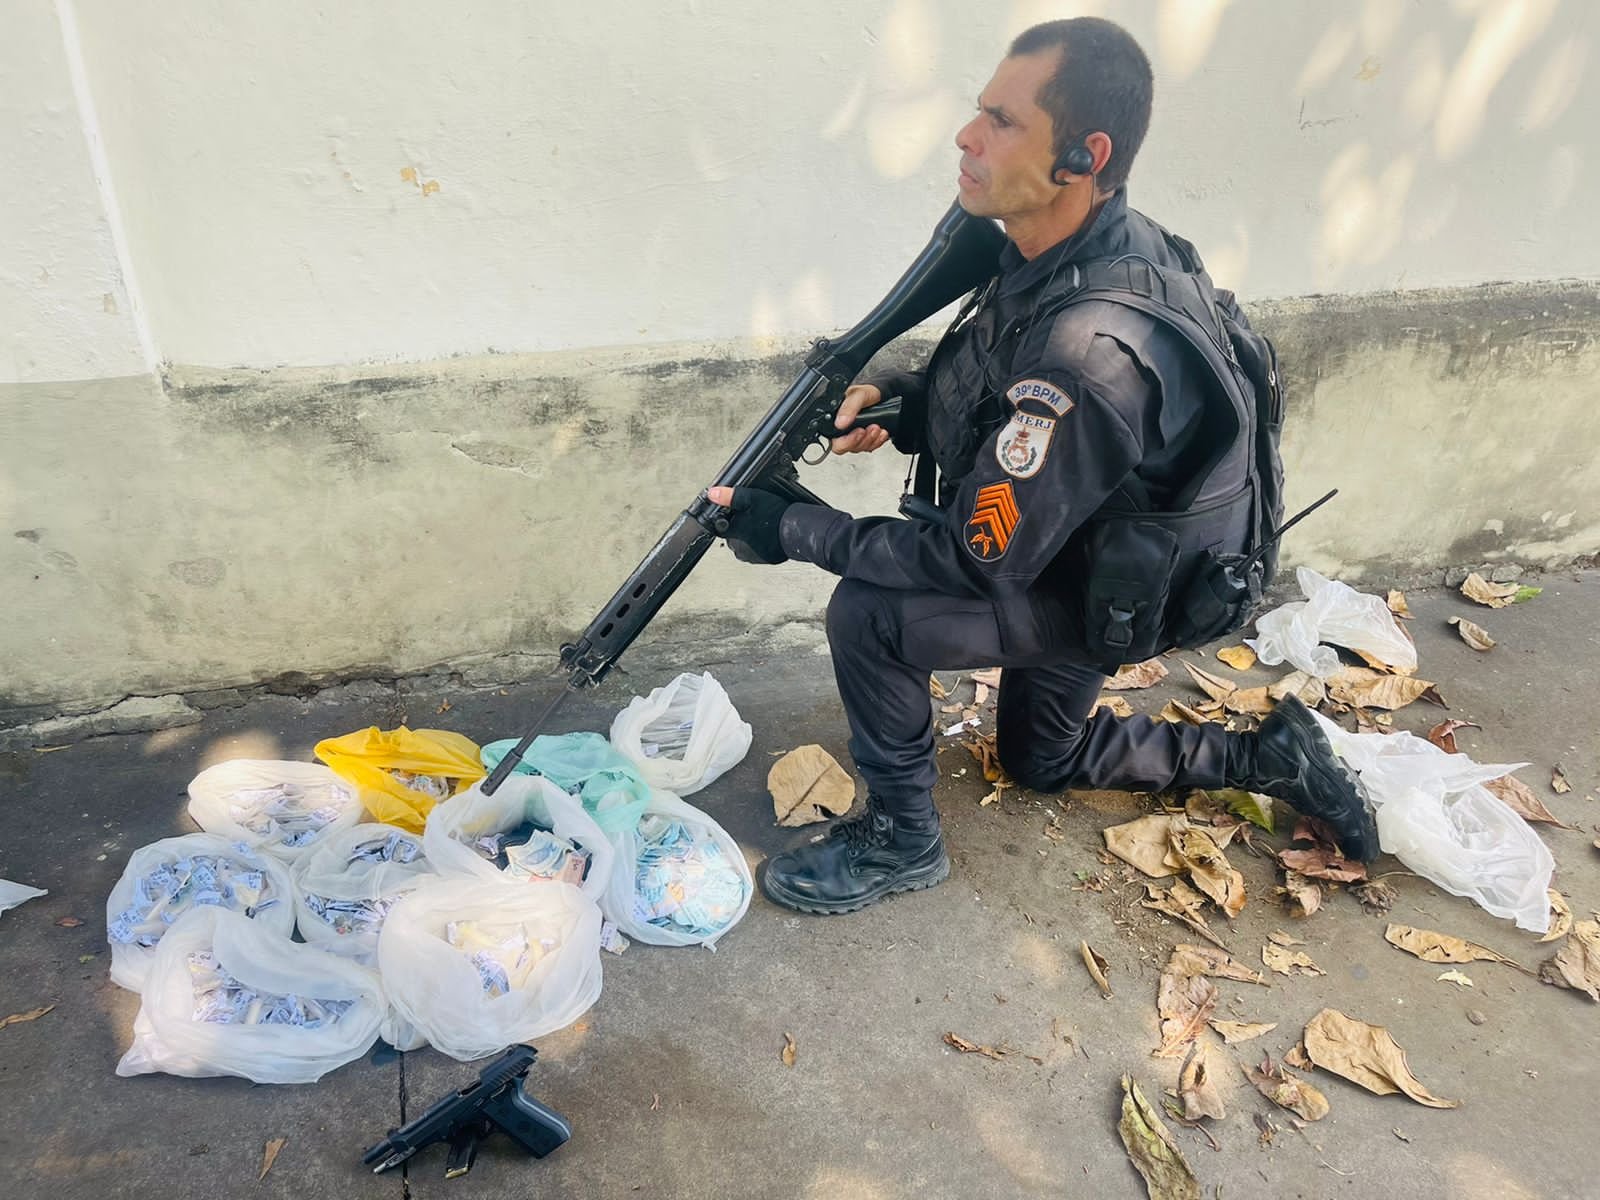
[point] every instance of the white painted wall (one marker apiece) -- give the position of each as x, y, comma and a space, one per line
314, 183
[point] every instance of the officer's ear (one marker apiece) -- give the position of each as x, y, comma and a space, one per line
1099, 145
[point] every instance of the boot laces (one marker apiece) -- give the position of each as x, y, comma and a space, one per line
867, 831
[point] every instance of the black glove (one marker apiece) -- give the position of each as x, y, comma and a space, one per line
753, 520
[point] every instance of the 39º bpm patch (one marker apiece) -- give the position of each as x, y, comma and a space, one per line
1023, 444
993, 521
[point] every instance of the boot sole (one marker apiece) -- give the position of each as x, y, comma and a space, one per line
1342, 777
927, 878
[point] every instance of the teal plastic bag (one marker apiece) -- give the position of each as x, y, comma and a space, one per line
612, 790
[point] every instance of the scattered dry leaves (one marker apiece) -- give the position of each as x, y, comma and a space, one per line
1240, 658
1151, 1148
1303, 896
1234, 1032
789, 1050
1142, 843
1366, 1055
1196, 852
1137, 676
1097, 968
1522, 801
984, 748
1577, 964
1310, 690
1250, 702
1176, 712
937, 689
1432, 946
269, 1155
1197, 1087
1362, 687
956, 1041
1289, 962
1455, 977
1182, 903
1558, 781
1322, 862
987, 677
1288, 1091
1494, 595
1397, 604
70, 922
1473, 635
1213, 686
807, 785
1376, 896
1117, 706
1186, 997
1560, 916
33, 1014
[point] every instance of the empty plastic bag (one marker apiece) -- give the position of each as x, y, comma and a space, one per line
346, 886
227, 996
1435, 815
13, 894
683, 735
400, 774
679, 879
284, 808
474, 965
457, 824
165, 880
1332, 612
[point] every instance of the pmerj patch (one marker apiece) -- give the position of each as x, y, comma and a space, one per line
1043, 391
1023, 443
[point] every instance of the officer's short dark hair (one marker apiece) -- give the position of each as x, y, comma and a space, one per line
1103, 82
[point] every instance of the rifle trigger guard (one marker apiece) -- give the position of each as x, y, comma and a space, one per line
820, 444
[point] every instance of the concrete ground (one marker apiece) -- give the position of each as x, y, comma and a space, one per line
673, 1081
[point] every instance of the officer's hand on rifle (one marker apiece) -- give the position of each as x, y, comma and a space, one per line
861, 441
753, 520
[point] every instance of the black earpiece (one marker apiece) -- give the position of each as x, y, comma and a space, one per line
1076, 159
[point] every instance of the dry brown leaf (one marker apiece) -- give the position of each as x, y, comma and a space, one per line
1443, 735
1306, 687
936, 689
1214, 686
1455, 977
1323, 863
1186, 997
789, 1049
1182, 903
956, 1041
1397, 603
1561, 920
1288, 1091
1167, 1174
980, 694
269, 1155
70, 922
1302, 895
1288, 962
1523, 802
1376, 896
1136, 676
1558, 781
1577, 964
1118, 706
1472, 634
1176, 712
1097, 968
1378, 664
1365, 688
1250, 702
1234, 1032
1197, 1088
807, 785
987, 677
1203, 960
33, 1014
1432, 946
1196, 852
1296, 1057
1494, 595
1240, 658
1365, 1055
1279, 938
1143, 843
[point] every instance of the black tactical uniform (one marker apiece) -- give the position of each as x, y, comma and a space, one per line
1039, 416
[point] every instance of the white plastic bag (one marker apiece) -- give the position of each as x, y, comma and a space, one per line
1435, 815
1332, 612
520, 798
683, 735
227, 996
285, 808
13, 894
694, 925
344, 887
440, 989
165, 879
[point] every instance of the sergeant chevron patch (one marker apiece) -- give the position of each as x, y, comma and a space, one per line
994, 519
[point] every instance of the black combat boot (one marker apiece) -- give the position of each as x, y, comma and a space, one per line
1291, 758
858, 861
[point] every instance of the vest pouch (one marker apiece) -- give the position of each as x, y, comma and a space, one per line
1216, 599
1129, 566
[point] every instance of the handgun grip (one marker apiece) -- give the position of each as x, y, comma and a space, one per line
886, 413
538, 1129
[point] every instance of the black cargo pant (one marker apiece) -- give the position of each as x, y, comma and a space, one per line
884, 644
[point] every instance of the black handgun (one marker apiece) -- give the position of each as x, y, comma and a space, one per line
466, 1117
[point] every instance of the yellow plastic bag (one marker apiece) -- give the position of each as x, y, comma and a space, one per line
366, 758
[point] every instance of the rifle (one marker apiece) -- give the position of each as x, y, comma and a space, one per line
464, 1118
961, 254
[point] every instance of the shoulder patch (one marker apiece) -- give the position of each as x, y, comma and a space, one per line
1044, 392
1023, 443
993, 521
